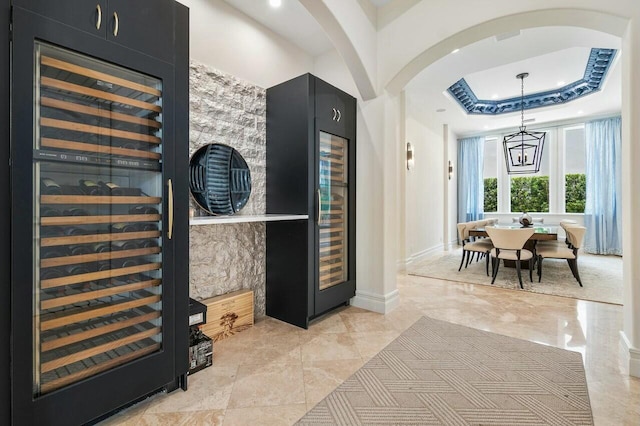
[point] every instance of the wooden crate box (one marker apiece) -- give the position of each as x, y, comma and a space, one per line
228, 314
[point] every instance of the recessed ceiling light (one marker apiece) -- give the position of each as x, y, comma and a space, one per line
494, 96
561, 83
440, 110
455, 50
275, 3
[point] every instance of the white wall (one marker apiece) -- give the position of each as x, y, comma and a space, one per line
228, 40
424, 199
452, 186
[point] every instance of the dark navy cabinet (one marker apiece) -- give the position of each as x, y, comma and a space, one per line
96, 220
311, 153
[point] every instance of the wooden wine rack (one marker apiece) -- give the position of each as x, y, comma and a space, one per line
332, 230
96, 308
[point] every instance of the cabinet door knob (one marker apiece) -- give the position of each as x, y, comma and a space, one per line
99, 17
116, 24
339, 115
334, 113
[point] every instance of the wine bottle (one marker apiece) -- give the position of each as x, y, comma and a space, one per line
76, 211
101, 247
77, 270
89, 187
117, 190
51, 231
74, 230
51, 273
77, 250
49, 186
124, 245
143, 210
147, 243
123, 263
49, 212
148, 227
55, 251
124, 227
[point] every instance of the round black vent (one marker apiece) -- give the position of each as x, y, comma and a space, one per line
219, 179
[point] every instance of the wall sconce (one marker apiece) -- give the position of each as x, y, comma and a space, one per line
450, 169
410, 156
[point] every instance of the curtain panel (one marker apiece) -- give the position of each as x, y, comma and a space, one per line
470, 181
603, 208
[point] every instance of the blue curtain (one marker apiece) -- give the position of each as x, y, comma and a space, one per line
603, 208
470, 181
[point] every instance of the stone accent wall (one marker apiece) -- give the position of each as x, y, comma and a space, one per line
229, 257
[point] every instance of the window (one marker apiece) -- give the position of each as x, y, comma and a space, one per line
559, 187
530, 192
490, 174
575, 182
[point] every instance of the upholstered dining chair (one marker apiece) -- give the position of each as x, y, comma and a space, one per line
469, 248
508, 245
575, 236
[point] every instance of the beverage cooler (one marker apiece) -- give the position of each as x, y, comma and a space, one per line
311, 153
99, 296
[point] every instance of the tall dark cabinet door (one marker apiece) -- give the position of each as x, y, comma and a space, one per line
335, 182
94, 286
143, 25
88, 16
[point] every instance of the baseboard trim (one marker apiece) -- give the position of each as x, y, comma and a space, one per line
416, 257
380, 303
631, 355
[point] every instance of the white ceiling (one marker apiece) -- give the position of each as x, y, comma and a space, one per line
549, 55
291, 20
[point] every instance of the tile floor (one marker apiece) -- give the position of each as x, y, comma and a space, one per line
273, 373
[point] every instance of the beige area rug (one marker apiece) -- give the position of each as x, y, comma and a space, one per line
601, 276
439, 373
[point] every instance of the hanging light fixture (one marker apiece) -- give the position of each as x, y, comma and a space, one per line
523, 150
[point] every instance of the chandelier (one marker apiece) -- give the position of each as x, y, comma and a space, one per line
523, 150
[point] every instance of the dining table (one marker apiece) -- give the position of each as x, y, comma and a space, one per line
541, 233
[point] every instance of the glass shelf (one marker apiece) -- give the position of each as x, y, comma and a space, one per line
214, 220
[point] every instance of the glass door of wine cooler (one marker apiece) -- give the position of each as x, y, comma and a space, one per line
333, 214
97, 203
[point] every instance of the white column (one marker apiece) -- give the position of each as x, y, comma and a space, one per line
377, 204
630, 335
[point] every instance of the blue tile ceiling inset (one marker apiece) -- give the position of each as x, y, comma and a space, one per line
594, 74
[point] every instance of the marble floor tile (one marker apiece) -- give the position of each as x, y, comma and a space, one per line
327, 347
267, 385
210, 389
273, 372
282, 415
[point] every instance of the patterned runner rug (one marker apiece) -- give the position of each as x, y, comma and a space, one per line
601, 276
438, 373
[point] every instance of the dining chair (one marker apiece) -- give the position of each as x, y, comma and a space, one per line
469, 248
575, 236
508, 245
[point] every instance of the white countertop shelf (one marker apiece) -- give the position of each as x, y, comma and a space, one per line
213, 220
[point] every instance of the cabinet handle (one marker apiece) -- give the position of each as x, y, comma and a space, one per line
170, 209
99, 20
334, 113
319, 207
339, 115
116, 24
